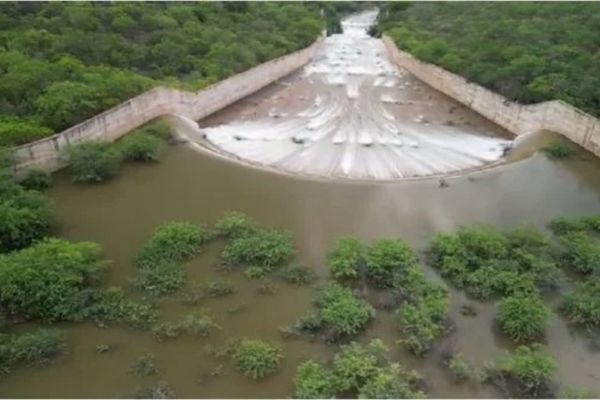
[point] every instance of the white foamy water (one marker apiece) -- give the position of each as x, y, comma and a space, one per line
348, 129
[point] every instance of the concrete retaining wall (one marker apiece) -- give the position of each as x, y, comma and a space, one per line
49, 154
556, 115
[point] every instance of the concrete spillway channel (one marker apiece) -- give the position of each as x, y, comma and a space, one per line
351, 113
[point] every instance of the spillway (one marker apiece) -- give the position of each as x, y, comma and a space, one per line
352, 114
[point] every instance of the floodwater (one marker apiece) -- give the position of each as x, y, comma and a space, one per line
186, 185
350, 113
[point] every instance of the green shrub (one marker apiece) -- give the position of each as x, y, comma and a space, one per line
219, 288
111, 305
313, 381
144, 365
562, 225
25, 216
580, 252
530, 368
392, 382
255, 272
173, 242
421, 323
35, 347
140, 147
192, 324
264, 248
160, 279
158, 390
344, 313
256, 358
356, 364
560, 149
459, 369
386, 257
236, 224
523, 318
93, 161
16, 131
582, 304
159, 128
592, 222
47, 280
345, 261
37, 180
298, 275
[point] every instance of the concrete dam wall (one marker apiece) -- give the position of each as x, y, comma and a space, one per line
556, 116
49, 154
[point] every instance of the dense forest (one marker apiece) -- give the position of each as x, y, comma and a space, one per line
61, 63
529, 52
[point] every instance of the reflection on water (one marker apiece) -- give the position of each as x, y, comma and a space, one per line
121, 214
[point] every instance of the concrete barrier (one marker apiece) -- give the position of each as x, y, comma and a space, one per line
556, 116
49, 154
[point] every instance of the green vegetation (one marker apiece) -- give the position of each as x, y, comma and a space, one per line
298, 275
199, 324
582, 304
35, 347
51, 79
459, 368
579, 251
160, 259
36, 180
526, 51
523, 318
219, 288
488, 263
256, 358
140, 147
530, 369
560, 150
359, 369
144, 365
342, 312
345, 261
93, 161
387, 257
158, 390
235, 225
265, 248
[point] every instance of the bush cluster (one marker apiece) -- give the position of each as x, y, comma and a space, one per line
160, 258
579, 251
386, 258
345, 261
35, 347
37, 180
523, 318
298, 275
193, 324
488, 263
357, 369
530, 369
264, 248
256, 358
582, 304
235, 225
139, 146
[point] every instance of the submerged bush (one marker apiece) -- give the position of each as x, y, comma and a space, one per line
530, 369
160, 258
93, 161
35, 347
192, 324
47, 280
344, 262
236, 224
563, 225
344, 313
459, 369
392, 382
298, 275
256, 358
313, 381
386, 257
173, 242
582, 305
144, 365
140, 147
219, 288
158, 128
25, 216
560, 149
356, 364
523, 318
265, 248
37, 180
111, 305
580, 252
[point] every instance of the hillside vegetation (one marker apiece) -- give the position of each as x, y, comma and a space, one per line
61, 63
528, 52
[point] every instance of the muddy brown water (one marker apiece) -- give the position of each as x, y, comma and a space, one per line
121, 214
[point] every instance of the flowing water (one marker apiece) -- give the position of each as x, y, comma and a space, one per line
189, 185
352, 114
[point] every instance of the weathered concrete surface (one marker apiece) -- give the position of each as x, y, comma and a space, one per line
49, 154
556, 116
